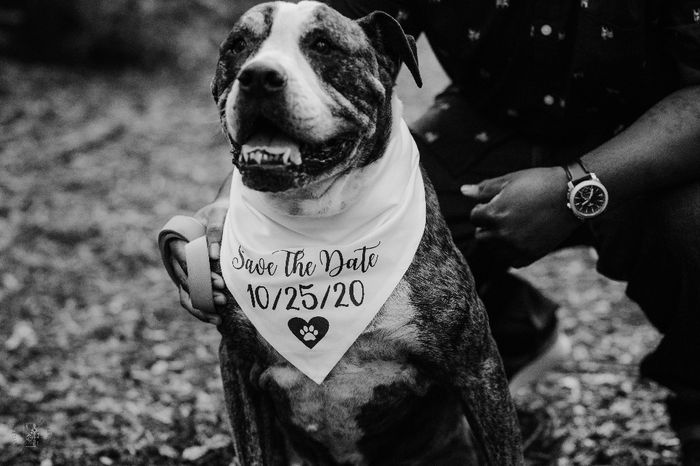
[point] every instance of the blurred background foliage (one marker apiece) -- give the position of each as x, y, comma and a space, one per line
147, 33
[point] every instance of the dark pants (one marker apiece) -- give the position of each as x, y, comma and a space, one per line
652, 243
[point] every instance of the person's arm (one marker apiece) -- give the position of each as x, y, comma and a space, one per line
526, 210
660, 150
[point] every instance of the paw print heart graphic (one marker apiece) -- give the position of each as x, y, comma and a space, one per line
309, 333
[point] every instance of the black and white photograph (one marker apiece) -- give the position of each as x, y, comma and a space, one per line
350, 232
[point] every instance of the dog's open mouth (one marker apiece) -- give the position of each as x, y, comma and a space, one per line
270, 146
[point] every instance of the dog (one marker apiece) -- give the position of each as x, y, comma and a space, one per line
306, 100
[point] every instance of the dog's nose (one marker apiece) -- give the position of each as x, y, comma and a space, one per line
262, 78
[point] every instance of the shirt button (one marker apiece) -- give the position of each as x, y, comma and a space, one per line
546, 30
548, 99
482, 137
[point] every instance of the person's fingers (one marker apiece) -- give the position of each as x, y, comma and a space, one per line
484, 234
214, 233
217, 281
212, 216
219, 298
484, 216
216, 216
178, 261
214, 251
486, 190
180, 274
186, 302
177, 251
470, 190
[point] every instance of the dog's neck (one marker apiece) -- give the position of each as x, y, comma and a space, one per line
327, 197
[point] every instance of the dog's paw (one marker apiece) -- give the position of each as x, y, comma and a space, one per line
308, 333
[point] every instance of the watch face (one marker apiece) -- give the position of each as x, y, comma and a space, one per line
588, 198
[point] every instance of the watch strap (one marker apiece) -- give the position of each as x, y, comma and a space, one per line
577, 171
568, 173
197, 256
583, 167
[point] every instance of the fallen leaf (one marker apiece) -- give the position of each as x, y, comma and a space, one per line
194, 453
167, 451
22, 335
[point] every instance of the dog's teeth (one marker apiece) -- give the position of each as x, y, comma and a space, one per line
295, 157
285, 157
257, 156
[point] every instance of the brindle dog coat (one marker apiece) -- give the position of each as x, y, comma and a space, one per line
403, 392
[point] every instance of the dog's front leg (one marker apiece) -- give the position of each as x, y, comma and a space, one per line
256, 439
479, 378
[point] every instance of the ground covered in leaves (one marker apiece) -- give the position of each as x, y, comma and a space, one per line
97, 354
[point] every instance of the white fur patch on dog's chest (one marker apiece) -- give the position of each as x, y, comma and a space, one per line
329, 413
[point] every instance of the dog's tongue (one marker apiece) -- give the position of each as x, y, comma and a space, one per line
273, 143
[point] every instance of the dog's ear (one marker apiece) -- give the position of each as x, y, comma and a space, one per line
219, 80
388, 38
214, 86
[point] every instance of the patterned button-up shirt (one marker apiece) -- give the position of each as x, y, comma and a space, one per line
556, 68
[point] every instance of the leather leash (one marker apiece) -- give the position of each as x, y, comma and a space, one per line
197, 255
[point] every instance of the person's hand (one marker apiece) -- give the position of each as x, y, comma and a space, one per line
212, 217
524, 211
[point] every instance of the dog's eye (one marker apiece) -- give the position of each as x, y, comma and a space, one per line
238, 45
321, 45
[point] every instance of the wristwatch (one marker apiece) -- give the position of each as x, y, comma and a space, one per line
586, 196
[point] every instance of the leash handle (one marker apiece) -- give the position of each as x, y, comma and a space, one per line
197, 256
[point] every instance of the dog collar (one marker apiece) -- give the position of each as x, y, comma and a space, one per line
310, 286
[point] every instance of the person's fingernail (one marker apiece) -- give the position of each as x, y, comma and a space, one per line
214, 251
217, 281
470, 190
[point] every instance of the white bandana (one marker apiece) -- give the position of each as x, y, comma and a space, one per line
311, 285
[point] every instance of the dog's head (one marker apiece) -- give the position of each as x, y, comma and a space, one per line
304, 93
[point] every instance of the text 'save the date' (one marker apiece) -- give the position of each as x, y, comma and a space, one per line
294, 263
